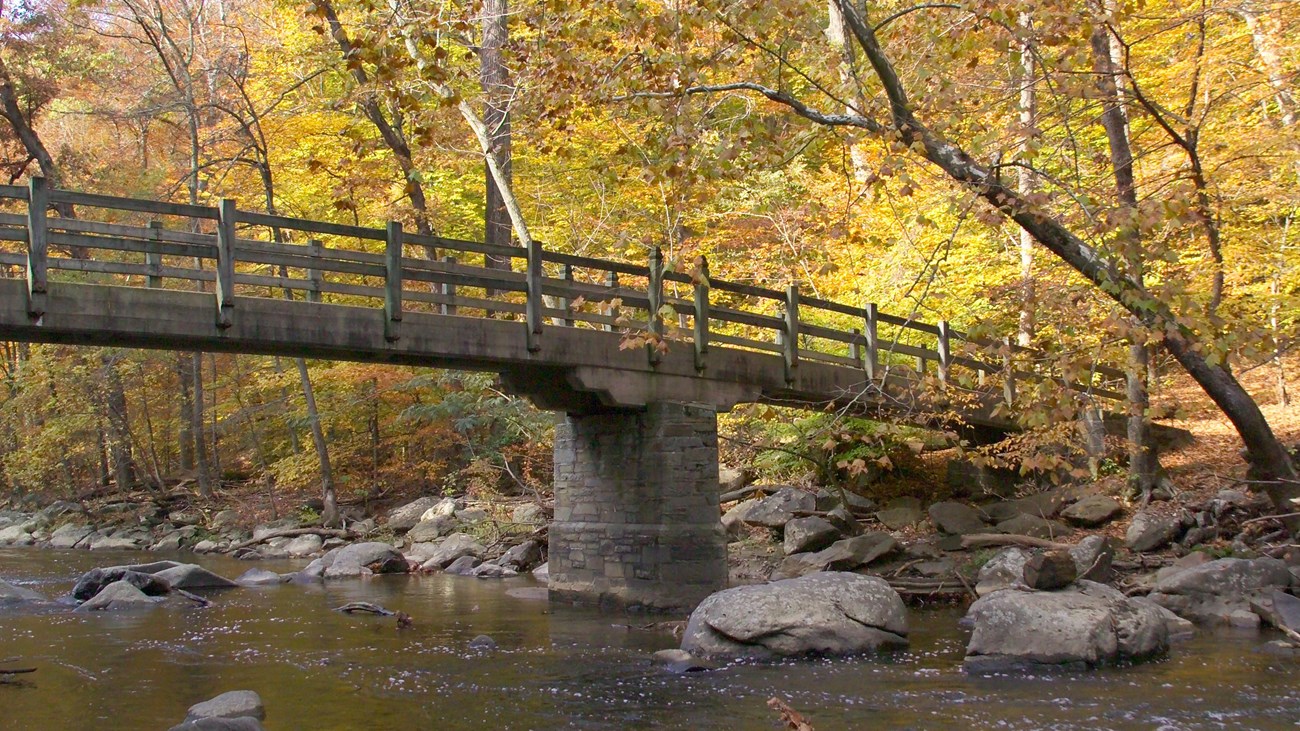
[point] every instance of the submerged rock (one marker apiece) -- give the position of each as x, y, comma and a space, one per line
238, 710
260, 577
1089, 624
10, 594
826, 613
119, 595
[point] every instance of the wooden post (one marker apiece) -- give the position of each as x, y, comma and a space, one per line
566, 303
533, 307
855, 347
791, 342
38, 246
920, 365
153, 259
945, 351
611, 282
656, 296
702, 314
1008, 374
226, 217
873, 342
393, 282
315, 277
448, 289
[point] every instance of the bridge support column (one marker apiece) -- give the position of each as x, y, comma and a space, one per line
636, 509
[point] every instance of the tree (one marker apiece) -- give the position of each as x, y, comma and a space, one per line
896, 120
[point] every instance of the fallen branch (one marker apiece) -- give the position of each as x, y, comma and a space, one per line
293, 532
17, 671
981, 540
366, 608
1270, 517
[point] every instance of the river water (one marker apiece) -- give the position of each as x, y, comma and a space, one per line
555, 667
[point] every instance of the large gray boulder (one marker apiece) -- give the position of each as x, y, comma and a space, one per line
69, 535
304, 545
809, 534
1088, 624
828, 613
260, 577
956, 518
522, 557
93, 581
1034, 526
1221, 591
239, 710
843, 555
1151, 532
777, 509
10, 594
364, 559
453, 547
1004, 570
431, 529
1092, 510
406, 516
733, 521
193, 576
16, 535
119, 595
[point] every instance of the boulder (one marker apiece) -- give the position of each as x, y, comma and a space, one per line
224, 520
843, 555
364, 559
841, 518
15, 535
303, 546
826, 613
482, 642
427, 531
69, 535
956, 518
1006, 569
1092, 510
453, 547
733, 521
235, 704
406, 516
809, 534
731, 479
170, 542
777, 509
522, 557
490, 571
1089, 624
1032, 525
680, 661
1280, 610
259, 577
463, 566
93, 581
118, 595
470, 516
1221, 591
900, 517
193, 576
1151, 531
528, 514
112, 543
10, 594
1093, 557
206, 545
543, 572
445, 508
1050, 570
220, 724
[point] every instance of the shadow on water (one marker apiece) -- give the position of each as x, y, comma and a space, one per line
554, 667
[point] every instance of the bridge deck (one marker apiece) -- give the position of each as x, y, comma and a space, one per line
161, 275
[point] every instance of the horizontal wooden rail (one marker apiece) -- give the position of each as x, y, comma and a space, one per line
543, 287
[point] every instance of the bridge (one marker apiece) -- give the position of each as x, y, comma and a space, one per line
639, 358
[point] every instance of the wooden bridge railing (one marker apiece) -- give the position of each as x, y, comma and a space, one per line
237, 253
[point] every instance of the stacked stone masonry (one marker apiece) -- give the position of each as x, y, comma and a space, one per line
636, 509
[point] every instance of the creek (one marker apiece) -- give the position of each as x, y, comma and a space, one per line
555, 667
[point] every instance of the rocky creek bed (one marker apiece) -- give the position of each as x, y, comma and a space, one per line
1039, 592
555, 667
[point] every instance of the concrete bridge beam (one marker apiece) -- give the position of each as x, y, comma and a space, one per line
636, 509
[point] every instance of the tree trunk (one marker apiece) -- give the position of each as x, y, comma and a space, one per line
197, 428
330, 512
837, 33
185, 437
1262, 36
1269, 461
1027, 182
119, 439
496, 117
1141, 468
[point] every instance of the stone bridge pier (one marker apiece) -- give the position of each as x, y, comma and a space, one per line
636, 508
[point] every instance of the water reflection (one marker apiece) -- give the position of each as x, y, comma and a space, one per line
555, 668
